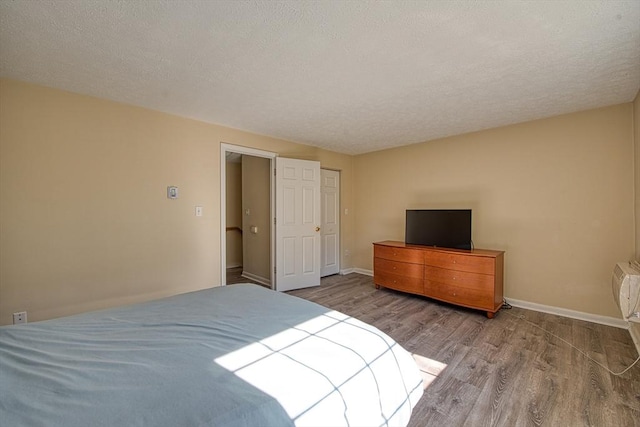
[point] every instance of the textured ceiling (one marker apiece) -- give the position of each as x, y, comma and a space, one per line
349, 76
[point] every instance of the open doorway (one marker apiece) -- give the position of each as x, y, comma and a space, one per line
247, 244
249, 192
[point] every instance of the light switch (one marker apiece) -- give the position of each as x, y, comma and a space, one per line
254, 229
172, 192
198, 210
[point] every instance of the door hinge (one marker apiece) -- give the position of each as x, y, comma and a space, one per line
274, 220
274, 171
274, 270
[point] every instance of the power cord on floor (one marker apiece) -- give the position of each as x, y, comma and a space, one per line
507, 306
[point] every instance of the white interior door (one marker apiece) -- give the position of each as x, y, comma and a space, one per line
297, 224
330, 226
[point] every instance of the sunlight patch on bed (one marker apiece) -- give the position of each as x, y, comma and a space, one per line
429, 369
313, 369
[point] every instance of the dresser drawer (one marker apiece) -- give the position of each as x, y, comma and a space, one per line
460, 262
414, 256
399, 268
413, 285
474, 298
483, 282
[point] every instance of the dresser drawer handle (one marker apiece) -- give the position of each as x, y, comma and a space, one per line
394, 267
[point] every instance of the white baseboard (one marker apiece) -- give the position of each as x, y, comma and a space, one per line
256, 278
233, 265
564, 312
346, 271
595, 318
363, 271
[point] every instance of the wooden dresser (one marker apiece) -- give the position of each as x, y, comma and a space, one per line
470, 278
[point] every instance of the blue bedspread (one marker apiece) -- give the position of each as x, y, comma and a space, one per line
238, 355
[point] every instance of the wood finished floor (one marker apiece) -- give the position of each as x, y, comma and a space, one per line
234, 275
501, 371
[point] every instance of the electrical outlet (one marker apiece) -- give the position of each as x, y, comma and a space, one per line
347, 252
20, 317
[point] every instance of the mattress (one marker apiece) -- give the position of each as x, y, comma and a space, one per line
237, 355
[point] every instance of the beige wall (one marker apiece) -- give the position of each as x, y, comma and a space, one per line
85, 222
635, 327
555, 194
233, 205
636, 141
256, 195
84, 218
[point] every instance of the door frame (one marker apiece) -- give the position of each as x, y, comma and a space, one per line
231, 148
339, 172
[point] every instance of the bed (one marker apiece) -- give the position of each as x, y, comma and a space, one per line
238, 355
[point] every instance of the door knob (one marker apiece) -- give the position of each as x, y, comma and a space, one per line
317, 228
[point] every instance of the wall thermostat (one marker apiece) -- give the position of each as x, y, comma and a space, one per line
172, 192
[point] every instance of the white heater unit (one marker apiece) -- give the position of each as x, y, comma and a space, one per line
625, 283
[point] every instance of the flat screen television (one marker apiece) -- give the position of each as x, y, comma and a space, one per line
447, 228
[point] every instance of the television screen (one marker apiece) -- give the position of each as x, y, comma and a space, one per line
447, 228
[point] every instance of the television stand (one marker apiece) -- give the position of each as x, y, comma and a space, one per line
469, 278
